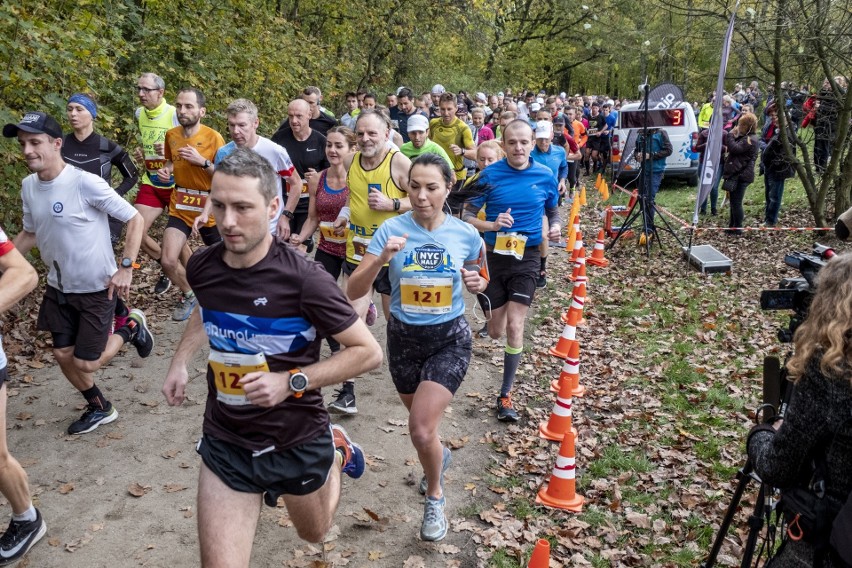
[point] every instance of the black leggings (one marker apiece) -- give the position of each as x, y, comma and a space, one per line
334, 266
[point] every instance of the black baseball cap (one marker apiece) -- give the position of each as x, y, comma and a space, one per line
36, 123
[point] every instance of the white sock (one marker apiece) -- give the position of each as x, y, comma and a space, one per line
27, 516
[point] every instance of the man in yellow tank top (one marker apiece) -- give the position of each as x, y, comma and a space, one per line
378, 182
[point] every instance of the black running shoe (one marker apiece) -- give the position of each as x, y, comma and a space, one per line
20, 537
506, 410
163, 284
92, 418
140, 337
541, 282
345, 402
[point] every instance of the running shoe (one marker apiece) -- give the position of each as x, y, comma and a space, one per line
353, 455
92, 418
435, 524
20, 537
345, 401
506, 410
163, 284
372, 313
140, 337
542, 281
483, 332
445, 464
185, 306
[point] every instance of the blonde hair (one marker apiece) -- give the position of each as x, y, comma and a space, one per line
746, 125
828, 327
492, 145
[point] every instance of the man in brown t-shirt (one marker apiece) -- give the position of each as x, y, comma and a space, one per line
264, 309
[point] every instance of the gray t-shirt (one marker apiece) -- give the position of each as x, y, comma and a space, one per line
70, 218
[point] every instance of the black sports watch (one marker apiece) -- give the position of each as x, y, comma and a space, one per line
127, 262
207, 164
288, 214
298, 382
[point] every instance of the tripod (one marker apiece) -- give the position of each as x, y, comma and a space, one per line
776, 394
645, 202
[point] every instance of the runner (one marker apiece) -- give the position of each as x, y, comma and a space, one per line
348, 118
518, 192
95, 154
265, 433
189, 151
548, 154
27, 525
418, 133
306, 148
431, 255
328, 194
155, 118
319, 121
454, 136
242, 126
63, 208
403, 111
598, 134
377, 179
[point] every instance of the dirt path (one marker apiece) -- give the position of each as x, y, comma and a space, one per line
85, 485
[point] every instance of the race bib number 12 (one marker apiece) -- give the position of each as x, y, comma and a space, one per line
228, 369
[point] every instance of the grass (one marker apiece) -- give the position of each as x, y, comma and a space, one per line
501, 559
614, 461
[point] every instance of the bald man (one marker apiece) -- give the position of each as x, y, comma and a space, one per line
306, 147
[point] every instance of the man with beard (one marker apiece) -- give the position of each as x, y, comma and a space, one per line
189, 151
402, 112
378, 180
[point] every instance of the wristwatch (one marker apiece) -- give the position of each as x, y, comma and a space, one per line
298, 382
128, 263
288, 214
207, 164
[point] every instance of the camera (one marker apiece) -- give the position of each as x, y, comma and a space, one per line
796, 293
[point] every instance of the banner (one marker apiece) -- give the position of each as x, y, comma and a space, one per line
710, 168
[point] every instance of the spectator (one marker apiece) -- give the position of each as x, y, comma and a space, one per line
742, 147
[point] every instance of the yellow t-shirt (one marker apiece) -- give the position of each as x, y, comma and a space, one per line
363, 221
457, 133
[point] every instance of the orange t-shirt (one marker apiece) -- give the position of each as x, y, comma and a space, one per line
580, 136
192, 183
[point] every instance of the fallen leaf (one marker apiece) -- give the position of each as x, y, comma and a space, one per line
66, 488
375, 555
174, 487
138, 490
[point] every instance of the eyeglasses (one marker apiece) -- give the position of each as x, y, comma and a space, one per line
146, 89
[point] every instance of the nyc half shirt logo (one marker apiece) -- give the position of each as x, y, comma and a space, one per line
428, 258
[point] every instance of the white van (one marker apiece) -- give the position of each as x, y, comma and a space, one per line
678, 122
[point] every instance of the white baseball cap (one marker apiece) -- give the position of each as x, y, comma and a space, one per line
418, 123
543, 129
535, 107
438, 89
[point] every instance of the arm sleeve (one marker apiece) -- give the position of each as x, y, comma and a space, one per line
666, 150
552, 214
563, 168
467, 138
128, 170
101, 196
779, 457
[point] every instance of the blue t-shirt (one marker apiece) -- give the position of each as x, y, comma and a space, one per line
554, 158
526, 192
426, 282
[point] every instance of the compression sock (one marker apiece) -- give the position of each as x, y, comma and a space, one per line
543, 268
27, 516
95, 397
511, 361
121, 308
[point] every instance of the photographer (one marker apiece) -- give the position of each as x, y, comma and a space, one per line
817, 429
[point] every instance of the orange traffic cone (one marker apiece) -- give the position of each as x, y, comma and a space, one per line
598, 181
573, 229
604, 191
578, 244
574, 315
560, 418
561, 491
583, 195
572, 361
569, 334
579, 265
597, 258
541, 554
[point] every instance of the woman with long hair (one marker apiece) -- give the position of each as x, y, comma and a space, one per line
817, 427
742, 145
